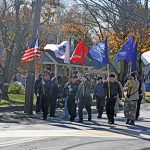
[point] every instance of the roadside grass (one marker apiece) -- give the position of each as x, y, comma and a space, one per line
19, 99
15, 99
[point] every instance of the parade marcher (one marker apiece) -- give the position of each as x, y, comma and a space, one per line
141, 93
70, 90
118, 101
84, 96
130, 104
112, 89
100, 95
51, 74
65, 97
38, 102
55, 93
45, 91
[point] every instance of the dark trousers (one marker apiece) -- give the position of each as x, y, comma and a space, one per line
100, 101
53, 106
84, 102
110, 105
138, 106
45, 105
38, 104
72, 106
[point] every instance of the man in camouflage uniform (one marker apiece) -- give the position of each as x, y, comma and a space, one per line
131, 98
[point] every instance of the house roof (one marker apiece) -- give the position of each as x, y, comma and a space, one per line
60, 61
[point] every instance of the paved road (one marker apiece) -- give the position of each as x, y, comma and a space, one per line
59, 134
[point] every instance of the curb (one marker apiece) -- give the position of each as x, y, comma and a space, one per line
12, 108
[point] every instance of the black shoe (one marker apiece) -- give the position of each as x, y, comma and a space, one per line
89, 118
99, 117
131, 123
44, 118
53, 116
128, 120
71, 119
109, 121
80, 121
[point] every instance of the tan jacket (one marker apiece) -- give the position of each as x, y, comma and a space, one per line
132, 87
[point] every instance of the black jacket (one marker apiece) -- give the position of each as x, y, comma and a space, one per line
45, 88
70, 90
115, 90
55, 90
36, 85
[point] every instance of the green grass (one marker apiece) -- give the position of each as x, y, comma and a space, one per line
15, 99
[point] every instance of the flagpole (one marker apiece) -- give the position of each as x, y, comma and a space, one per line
84, 61
108, 73
130, 67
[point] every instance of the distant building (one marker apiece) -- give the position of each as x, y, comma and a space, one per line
50, 62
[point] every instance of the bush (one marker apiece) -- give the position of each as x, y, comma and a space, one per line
15, 88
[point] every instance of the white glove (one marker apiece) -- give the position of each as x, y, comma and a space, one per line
43, 82
76, 101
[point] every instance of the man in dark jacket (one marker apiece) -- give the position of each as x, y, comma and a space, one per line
112, 89
100, 95
38, 102
70, 90
45, 91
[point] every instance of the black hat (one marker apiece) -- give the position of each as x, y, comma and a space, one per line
133, 74
75, 76
99, 78
112, 75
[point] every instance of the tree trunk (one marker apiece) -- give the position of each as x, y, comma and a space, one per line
5, 93
31, 75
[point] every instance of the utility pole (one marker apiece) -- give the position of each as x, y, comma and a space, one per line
31, 70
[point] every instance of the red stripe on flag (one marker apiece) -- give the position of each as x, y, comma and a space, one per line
30, 54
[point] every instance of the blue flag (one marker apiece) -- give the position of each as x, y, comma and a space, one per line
134, 58
125, 53
99, 52
96, 64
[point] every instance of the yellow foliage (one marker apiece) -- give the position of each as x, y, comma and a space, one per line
73, 29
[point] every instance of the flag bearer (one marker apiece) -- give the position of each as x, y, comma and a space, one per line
112, 89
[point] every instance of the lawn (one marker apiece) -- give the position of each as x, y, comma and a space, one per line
15, 99
19, 99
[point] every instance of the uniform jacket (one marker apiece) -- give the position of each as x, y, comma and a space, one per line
115, 90
45, 88
132, 88
37, 83
55, 89
70, 90
99, 90
84, 90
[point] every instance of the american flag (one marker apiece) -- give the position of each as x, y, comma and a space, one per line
32, 52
